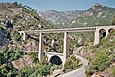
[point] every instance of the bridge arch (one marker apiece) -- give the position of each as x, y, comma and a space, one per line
110, 30
55, 60
102, 33
106, 29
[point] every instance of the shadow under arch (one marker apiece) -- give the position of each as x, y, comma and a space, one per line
55, 60
111, 30
102, 33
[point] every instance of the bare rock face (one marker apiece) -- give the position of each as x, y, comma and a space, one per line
30, 46
25, 60
9, 5
95, 6
55, 73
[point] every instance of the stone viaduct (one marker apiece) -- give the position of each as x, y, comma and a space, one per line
65, 54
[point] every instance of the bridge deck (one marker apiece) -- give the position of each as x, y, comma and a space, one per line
84, 29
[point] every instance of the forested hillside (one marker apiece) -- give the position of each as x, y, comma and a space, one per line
103, 60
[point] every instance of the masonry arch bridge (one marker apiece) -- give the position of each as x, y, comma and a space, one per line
102, 31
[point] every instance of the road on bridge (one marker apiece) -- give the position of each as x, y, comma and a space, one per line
80, 72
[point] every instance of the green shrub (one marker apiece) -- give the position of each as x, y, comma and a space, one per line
34, 56
113, 21
26, 71
103, 55
10, 55
44, 70
71, 63
113, 72
5, 48
15, 35
6, 69
100, 62
44, 60
112, 57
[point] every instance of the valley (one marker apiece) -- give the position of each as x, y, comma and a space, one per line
56, 43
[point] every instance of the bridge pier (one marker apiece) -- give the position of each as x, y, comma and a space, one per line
96, 37
107, 32
40, 53
66, 47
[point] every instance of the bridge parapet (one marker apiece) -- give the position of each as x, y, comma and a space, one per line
84, 29
105, 27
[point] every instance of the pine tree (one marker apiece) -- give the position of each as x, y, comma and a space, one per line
113, 21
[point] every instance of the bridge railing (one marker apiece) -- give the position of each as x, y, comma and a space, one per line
84, 29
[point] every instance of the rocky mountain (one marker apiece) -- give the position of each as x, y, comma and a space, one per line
21, 17
94, 16
15, 17
59, 17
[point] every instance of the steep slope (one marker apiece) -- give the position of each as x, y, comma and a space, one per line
52, 16
96, 15
15, 17
59, 17
103, 59
21, 17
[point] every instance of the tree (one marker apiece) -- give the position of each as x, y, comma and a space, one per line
43, 70
9, 24
6, 68
113, 21
113, 71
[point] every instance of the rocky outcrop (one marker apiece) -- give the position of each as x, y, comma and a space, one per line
25, 60
9, 5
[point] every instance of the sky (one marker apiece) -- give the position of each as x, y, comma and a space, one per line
62, 5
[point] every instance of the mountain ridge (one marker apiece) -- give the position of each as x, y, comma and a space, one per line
95, 15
